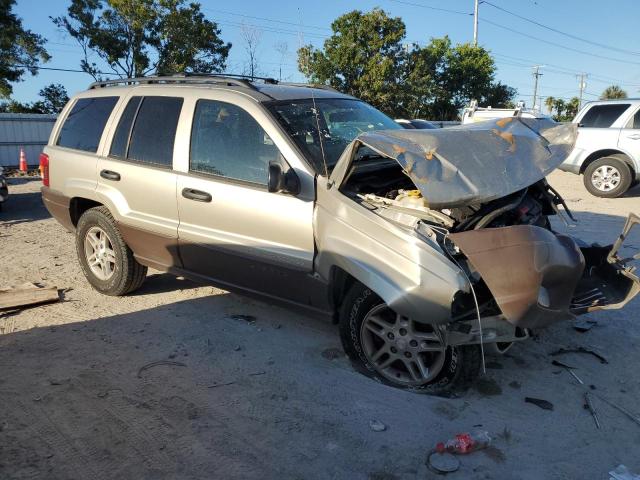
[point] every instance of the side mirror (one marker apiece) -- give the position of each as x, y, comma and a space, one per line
280, 181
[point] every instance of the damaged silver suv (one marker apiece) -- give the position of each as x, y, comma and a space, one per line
424, 245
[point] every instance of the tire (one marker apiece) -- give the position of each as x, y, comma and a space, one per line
458, 366
124, 274
617, 180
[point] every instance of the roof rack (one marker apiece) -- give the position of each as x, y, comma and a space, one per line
187, 77
319, 86
229, 79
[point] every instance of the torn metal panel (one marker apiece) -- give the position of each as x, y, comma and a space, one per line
609, 282
473, 163
531, 272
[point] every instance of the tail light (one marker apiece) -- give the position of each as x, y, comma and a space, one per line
44, 169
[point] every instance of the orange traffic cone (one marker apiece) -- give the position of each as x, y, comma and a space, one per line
23, 161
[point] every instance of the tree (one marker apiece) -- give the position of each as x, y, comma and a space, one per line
442, 79
135, 38
54, 98
361, 58
251, 36
21, 50
613, 92
564, 111
365, 57
550, 103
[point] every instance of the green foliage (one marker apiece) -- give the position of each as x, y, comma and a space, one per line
562, 111
361, 58
17, 47
139, 37
54, 98
365, 57
613, 92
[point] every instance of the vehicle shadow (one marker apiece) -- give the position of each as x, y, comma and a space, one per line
22, 207
632, 192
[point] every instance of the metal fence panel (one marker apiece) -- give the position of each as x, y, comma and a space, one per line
29, 131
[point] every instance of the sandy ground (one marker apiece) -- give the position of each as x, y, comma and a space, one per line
275, 398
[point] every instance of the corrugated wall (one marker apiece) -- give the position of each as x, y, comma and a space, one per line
27, 130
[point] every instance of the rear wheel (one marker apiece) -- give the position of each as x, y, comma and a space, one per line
106, 261
401, 352
607, 177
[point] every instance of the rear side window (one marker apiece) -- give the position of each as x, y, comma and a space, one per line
146, 131
603, 116
82, 129
635, 121
121, 138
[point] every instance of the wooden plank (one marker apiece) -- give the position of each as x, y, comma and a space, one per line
26, 295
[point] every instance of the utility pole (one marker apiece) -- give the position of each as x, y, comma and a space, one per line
536, 74
583, 85
475, 23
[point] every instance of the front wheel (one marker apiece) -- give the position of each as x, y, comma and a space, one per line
607, 177
401, 352
106, 260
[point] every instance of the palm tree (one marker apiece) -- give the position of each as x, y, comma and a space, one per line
550, 102
613, 92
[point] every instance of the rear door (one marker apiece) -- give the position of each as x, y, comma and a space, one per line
136, 177
231, 228
629, 139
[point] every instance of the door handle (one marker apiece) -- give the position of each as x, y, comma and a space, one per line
197, 195
635, 136
110, 175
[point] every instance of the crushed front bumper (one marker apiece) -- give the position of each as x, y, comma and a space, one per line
538, 278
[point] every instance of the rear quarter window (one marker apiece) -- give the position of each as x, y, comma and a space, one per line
603, 116
83, 127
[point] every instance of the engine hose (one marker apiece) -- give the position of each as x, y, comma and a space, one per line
489, 217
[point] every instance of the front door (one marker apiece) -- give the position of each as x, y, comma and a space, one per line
231, 228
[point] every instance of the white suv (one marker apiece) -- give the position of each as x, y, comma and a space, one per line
607, 151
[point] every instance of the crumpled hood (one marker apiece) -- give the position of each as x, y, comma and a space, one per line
474, 163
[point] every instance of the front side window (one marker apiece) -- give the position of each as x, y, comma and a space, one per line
323, 128
228, 142
603, 116
83, 127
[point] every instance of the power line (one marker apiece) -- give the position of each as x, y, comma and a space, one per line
513, 30
58, 69
283, 22
421, 5
575, 37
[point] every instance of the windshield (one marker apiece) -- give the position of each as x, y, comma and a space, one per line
340, 120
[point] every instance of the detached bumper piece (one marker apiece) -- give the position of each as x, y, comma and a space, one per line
538, 278
530, 271
609, 280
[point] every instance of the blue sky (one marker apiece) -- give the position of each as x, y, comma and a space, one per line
516, 43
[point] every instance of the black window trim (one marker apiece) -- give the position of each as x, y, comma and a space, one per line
207, 175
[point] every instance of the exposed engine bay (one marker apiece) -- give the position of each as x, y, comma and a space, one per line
517, 266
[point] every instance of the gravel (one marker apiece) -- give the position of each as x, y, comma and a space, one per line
286, 404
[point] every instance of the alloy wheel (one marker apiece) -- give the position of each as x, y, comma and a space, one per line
605, 178
99, 253
400, 349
